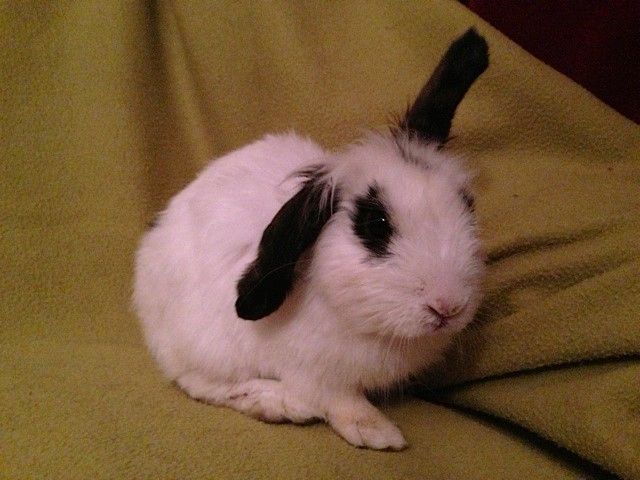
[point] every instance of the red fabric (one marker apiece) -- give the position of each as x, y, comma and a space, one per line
596, 43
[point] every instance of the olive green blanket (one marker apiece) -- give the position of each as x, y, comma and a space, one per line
109, 108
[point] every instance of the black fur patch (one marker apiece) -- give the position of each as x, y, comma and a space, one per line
468, 200
430, 117
371, 222
154, 222
269, 279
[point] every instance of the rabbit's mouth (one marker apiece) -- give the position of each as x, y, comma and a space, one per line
440, 320
436, 322
439, 323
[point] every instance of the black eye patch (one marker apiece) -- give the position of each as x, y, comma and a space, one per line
371, 222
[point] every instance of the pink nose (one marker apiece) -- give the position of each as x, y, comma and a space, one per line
445, 309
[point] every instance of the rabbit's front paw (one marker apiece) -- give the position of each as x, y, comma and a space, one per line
370, 429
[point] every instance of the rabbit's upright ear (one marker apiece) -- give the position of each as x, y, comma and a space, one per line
429, 118
269, 279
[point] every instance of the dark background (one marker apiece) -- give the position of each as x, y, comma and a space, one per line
594, 42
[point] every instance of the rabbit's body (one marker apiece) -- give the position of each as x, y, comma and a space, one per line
357, 266
200, 247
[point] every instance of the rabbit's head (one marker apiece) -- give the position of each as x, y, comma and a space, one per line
391, 222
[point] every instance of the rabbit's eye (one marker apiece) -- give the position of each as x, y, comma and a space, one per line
371, 222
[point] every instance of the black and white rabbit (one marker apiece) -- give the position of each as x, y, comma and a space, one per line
287, 281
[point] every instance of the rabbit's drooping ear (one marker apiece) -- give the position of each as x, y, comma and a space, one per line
429, 118
269, 279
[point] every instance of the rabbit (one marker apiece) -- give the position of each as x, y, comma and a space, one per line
288, 282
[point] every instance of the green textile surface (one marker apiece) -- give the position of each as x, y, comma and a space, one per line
109, 108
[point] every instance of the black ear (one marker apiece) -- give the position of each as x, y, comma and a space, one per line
269, 279
429, 118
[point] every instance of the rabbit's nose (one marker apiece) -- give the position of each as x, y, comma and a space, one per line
444, 309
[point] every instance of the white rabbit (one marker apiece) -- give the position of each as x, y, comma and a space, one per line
287, 281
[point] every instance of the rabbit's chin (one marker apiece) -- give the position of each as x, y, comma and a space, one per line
419, 329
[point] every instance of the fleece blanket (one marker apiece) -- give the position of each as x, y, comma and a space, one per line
109, 108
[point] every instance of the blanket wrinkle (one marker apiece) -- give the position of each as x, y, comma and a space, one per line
538, 243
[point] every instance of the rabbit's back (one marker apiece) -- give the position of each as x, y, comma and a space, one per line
188, 265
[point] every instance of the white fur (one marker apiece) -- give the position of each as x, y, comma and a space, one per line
352, 323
